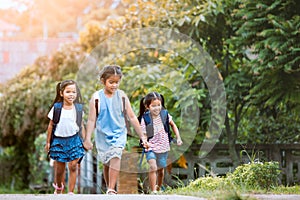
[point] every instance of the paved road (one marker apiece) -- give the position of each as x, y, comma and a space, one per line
128, 197
95, 197
276, 197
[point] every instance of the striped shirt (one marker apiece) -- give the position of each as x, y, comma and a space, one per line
159, 143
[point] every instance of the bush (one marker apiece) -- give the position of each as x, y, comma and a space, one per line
209, 183
6, 178
256, 175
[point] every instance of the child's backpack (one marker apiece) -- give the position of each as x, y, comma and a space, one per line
149, 124
57, 112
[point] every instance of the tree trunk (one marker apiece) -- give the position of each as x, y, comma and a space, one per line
231, 143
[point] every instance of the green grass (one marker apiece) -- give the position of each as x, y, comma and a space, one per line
4, 190
221, 189
231, 194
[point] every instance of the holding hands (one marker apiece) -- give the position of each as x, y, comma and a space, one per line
88, 145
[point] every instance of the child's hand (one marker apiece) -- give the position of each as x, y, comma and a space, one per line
145, 144
88, 145
179, 142
47, 147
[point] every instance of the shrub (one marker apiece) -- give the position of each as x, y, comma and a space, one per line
256, 175
210, 183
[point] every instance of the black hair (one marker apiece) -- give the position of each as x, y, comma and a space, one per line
60, 87
146, 101
110, 70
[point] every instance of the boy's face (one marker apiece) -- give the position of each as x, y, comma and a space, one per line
69, 94
155, 107
112, 84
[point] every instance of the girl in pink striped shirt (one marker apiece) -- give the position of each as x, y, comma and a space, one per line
155, 123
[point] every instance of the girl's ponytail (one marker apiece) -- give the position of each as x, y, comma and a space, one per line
142, 109
162, 101
57, 97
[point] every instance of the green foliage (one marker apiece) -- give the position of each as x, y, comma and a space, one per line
7, 162
210, 188
65, 61
286, 190
39, 163
252, 177
272, 34
256, 175
247, 177
210, 183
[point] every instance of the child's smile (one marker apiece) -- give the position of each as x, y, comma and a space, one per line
155, 107
69, 94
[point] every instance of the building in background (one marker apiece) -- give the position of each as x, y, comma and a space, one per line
16, 54
8, 30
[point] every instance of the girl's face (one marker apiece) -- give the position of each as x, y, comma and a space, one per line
155, 107
112, 84
69, 94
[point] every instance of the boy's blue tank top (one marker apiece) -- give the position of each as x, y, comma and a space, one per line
110, 125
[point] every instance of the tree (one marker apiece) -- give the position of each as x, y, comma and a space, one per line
209, 23
268, 33
24, 105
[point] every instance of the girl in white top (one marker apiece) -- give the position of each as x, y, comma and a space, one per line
64, 144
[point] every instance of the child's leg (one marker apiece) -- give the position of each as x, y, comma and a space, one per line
161, 162
59, 174
106, 174
160, 177
152, 174
72, 174
114, 170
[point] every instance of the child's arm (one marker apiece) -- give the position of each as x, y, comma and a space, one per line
49, 132
134, 122
83, 132
176, 131
90, 125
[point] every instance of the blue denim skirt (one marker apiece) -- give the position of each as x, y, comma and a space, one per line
66, 149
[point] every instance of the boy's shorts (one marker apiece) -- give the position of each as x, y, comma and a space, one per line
161, 158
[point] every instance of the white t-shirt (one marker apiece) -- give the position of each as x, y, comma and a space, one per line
67, 125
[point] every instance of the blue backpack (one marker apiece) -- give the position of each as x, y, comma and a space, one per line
149, 124
57, 112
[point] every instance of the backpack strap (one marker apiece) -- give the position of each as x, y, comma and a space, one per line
149, 124
97, 99
165, 119
56, 116
56, 112
79, 109
97, 107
